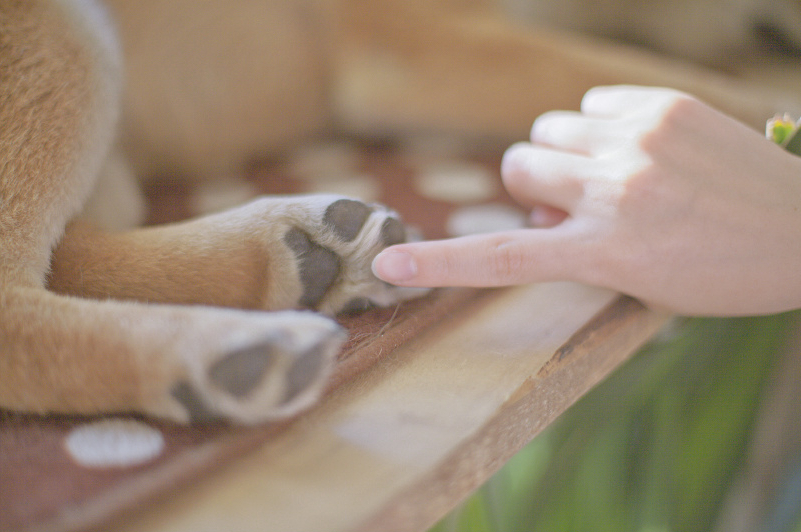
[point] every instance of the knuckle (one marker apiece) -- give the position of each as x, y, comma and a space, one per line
543, 124
676, 115
513, 158
506, 262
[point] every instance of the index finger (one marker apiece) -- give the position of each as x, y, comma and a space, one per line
494, 259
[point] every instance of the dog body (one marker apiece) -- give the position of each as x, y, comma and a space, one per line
209, 85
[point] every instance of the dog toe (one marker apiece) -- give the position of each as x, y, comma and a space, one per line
393, 232
346, 217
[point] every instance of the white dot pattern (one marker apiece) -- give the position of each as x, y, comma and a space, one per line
114, 443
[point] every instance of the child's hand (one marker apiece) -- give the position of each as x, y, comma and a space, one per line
646, 191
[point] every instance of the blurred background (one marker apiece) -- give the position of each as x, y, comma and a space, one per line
726, 34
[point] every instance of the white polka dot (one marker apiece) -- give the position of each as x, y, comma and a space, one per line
484, 219
114, 443
455, 182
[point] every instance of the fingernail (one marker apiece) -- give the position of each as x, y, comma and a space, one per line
394, 266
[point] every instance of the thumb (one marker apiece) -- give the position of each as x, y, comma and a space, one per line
496, 259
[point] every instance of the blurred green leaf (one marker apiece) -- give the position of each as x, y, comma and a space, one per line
651, 449
794, 144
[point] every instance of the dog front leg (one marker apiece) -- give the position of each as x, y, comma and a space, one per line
274, 253
68, 355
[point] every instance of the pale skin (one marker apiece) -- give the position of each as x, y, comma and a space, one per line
645, 191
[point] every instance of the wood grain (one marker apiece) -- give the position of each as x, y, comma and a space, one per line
396, 447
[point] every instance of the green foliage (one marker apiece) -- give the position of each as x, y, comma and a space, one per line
651, 449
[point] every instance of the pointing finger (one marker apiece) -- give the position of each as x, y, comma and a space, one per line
497, 259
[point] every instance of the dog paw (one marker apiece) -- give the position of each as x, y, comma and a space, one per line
333, 241
261, 369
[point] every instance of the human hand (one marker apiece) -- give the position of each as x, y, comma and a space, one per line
646, 191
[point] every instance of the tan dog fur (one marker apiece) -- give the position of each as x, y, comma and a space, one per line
207, 86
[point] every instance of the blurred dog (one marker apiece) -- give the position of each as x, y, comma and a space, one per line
95, 321
728, 34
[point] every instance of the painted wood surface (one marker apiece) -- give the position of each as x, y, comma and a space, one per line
399, 445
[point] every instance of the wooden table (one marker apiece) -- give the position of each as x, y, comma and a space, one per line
400, 444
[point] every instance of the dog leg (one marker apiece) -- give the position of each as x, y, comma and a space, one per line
274, 253
411, 66
64, 354
59, 85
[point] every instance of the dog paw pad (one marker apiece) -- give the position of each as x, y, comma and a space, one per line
241, 372
331, 242
346, 218
304, 371
193, 403
318, 266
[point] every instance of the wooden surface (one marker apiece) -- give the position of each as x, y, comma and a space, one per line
397, 447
